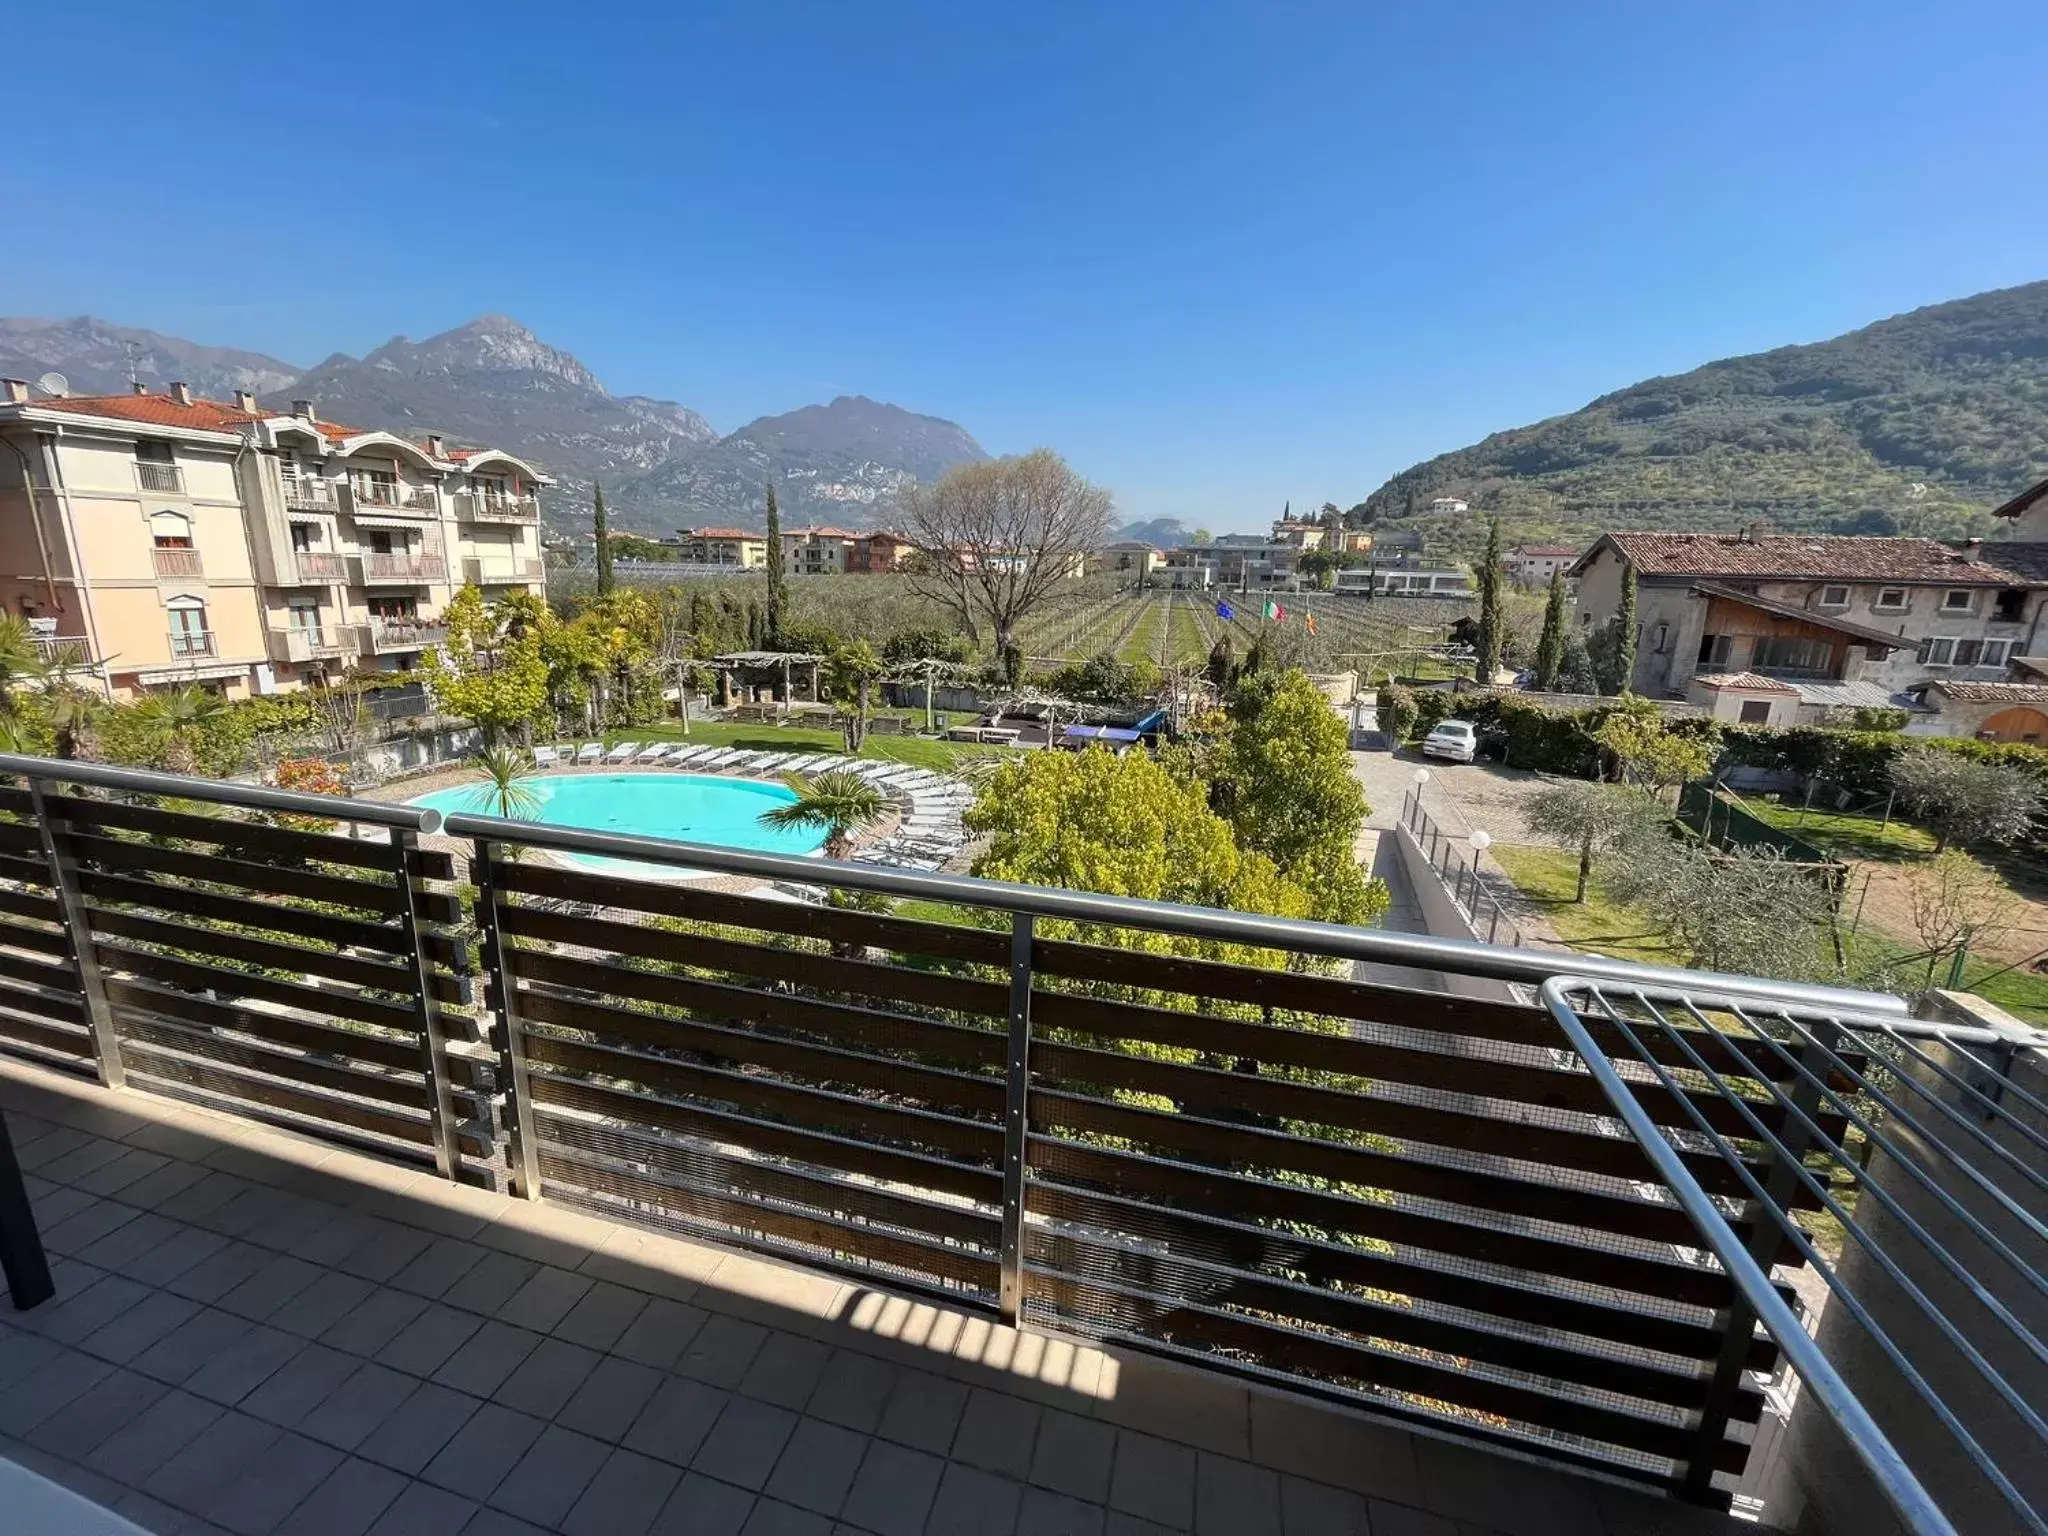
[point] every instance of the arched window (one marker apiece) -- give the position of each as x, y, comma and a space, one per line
189, 633
170, 530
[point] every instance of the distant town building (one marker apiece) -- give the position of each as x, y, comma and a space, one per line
878, 552
723, 546
1405, 581
154, 540
1444, 506
1299, 533
1129, 557
1815, 612
1532, 565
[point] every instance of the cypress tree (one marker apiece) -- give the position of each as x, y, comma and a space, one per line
1624, 652
778, 578
1487, 661
1550, 648
604, 546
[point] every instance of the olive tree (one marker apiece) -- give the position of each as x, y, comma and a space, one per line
1965, 801
1594, 819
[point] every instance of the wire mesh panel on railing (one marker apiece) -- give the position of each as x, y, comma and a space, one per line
823, 1082
1907, 1165
291, 971
1397, 1196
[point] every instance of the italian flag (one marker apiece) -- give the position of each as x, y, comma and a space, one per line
1275, 612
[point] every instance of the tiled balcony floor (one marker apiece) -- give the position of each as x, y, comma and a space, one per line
255, 1332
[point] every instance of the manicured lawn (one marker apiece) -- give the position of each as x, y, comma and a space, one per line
917, 751
1549, 877
1846, 836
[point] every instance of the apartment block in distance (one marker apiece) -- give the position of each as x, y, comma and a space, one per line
156, 539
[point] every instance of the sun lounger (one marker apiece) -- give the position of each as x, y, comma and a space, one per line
622, 752
686, 755
544, 757
654, 752
591, 752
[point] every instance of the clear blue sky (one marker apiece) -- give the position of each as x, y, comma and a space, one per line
1219, 254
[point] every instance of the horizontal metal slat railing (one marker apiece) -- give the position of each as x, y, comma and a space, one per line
1929, 1358
1407, 1200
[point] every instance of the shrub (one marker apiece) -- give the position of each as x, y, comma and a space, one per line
1397, 712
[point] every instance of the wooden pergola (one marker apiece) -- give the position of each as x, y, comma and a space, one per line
775, 670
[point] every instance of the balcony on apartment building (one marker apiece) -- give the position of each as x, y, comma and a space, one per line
408, 569
158, 478
316, 566
390, 499
192, 643
304, 643
480, 571
309, 493
383, 637
429, 1170
55, 650
480, 507
175, 563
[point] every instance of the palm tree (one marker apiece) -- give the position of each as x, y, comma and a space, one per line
179, 713
504, 792
74, 714
839, 802
20, 661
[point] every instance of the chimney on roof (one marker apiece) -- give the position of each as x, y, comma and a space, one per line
437, 445
245, 401
17, 391
1972, 548
181, 392
304, 410
138, 387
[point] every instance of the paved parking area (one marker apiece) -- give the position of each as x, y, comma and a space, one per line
257, 1333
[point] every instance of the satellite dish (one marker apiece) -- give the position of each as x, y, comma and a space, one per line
54, 384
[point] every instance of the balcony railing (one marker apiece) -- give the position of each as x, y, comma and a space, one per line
410, 569
192, 642
1546, 1227
307, 494
160, 479
480, 508
383, 636
378, 497
63, 650
482, 573
317, 566
176, 563
299, 643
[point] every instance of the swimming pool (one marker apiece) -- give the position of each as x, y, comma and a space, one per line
690, 808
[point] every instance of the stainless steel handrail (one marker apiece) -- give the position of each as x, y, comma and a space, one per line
256, 797
1807, 1062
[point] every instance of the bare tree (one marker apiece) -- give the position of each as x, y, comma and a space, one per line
995, 540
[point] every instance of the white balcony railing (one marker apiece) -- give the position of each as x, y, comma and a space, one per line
309, 494
315, 566
483, 508
176, 563
63, 650
163, 479
395, 498
381, 636
480, 572
405, 568
301, 642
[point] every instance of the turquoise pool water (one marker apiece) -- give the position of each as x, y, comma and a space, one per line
690, 808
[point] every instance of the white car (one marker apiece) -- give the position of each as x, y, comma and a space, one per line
1457, 740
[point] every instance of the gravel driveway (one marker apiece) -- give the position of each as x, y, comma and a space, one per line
1461, 796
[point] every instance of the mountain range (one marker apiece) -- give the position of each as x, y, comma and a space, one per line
494, 382
1917, 424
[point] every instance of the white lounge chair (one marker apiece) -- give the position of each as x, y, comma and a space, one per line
654, 752
686, 754
544, 757
622, 752
590, 752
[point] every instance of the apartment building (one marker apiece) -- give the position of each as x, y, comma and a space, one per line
1839, 621
819, 551
1128, 557
723, 546
1400, 580
879, 552
156, 539
1532, 565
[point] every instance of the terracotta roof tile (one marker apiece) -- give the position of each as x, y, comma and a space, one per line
1993, 693
1815, 556
1751, 682
155, 411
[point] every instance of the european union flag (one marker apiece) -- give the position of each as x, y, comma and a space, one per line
1224, 610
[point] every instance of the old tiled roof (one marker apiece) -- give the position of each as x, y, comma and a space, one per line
1812, 555
2035, 666
1547, 551
2023, 501
1750, 682
155, 411
1993, 693
722, 533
